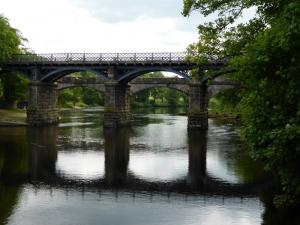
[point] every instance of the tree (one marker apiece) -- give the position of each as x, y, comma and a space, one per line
264, 55
92, 97
10, 40
13, 86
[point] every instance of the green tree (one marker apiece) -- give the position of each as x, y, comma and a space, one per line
10, 40
12, 85
69, 97
263, 55
92, 97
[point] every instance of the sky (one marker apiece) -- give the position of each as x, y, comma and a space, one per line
54, 26
102, 25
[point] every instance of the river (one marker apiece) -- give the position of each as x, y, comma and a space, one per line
154, 173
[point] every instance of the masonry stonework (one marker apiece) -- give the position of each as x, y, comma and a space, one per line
42, 104
117, 105
198, 106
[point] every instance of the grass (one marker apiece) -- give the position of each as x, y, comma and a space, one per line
12, 117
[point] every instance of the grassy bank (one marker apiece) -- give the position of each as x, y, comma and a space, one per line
12, 117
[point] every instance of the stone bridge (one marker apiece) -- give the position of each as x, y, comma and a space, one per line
140, 84
117, 70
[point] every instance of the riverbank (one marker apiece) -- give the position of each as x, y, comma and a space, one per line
12, 117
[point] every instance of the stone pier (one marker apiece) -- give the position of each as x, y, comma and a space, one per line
42, 104
198, 106
117, 105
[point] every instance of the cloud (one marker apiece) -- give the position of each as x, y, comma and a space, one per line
100, 26
126, 10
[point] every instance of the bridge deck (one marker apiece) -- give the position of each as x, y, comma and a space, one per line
100, 58
177, 59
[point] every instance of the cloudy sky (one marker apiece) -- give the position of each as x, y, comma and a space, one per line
102, 25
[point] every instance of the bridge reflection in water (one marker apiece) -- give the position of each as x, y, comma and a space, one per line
55, 165
44, 169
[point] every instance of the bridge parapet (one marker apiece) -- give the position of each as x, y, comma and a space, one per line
113, 58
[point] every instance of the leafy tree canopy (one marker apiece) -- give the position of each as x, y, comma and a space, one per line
10, 39
265, 55
12, 86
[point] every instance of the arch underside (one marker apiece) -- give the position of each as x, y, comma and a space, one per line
132, 74
123, 75
54, 75
98, 87
136, 88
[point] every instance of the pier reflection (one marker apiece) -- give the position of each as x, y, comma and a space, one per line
197, 142
42, 144
116, 156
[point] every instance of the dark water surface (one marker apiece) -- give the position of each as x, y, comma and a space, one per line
155, 172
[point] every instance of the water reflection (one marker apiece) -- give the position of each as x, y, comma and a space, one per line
13, 167
141, 171
43, 152
116, 156
197, 158
168, 165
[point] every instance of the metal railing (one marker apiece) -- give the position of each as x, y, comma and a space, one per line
100, 57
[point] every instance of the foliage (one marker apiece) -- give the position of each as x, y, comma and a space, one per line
14, 89
12, 85
227, 101
158, 96
81, 96
264, 53
10, 40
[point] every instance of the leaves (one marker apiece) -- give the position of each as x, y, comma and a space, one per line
12, 86
265, 53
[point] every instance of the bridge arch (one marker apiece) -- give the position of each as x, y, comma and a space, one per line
54, 75
127, 77
136, 88
97, 87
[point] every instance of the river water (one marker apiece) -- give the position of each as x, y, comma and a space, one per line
154, 173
